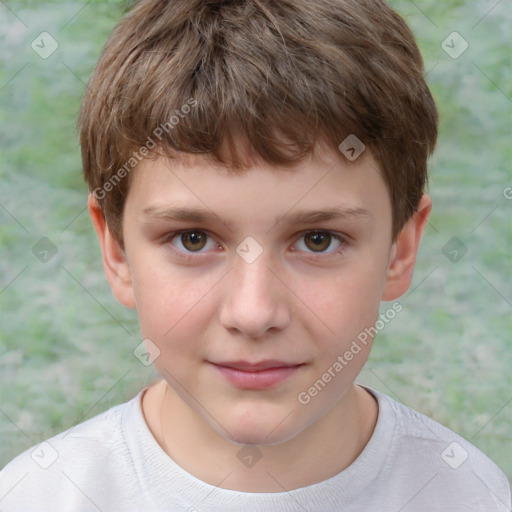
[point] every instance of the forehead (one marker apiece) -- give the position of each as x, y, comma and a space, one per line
194, 185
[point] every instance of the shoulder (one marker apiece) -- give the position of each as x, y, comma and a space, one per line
69, 470
451, 466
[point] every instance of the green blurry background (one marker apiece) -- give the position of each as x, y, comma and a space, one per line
66, 345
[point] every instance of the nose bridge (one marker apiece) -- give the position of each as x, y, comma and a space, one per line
256, 301
252, 267
254, 280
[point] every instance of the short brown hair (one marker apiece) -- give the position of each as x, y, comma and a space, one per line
194, 76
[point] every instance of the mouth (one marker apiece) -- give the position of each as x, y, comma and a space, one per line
261, 375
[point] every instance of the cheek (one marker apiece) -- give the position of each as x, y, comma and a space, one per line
175, 306
346, 301
172, 306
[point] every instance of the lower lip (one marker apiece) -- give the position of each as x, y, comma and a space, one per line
262, 379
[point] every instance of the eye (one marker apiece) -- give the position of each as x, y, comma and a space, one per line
191, 241
319, 241
195, 241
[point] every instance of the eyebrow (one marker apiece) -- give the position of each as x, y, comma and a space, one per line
182, 214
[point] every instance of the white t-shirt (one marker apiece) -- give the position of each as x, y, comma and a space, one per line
113, 463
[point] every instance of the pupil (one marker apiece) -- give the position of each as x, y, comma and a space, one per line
195, 238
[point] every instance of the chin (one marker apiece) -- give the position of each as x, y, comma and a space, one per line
258, 429
259, 438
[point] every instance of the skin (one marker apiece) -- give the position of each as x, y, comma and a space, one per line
216, 306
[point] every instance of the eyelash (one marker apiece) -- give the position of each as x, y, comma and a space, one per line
189, 256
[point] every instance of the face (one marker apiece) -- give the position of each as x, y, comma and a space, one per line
284, 265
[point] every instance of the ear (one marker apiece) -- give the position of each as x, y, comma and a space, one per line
404, 251
115, 264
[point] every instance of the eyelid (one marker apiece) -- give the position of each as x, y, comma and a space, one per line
342, 238
167, 239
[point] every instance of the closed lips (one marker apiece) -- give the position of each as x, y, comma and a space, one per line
256, 367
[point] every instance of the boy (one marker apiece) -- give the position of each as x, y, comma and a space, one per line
288, 140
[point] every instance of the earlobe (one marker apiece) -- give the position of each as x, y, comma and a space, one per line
116, 267
404, 251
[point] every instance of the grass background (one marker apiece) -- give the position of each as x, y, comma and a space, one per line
66, 344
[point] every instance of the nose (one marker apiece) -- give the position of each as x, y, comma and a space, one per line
256, 300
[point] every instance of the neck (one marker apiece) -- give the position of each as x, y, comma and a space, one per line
319, 452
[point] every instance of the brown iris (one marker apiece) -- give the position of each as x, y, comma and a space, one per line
193, 240
319, 241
